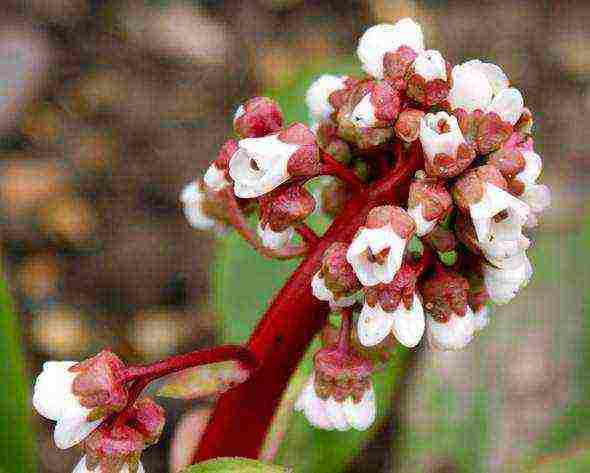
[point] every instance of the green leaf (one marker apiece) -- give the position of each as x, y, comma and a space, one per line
17, 435
203, 381
234, 465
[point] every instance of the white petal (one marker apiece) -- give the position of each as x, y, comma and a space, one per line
73, 427
496, 77
82, 468
321, 292
361, 415
271, 158
453, 335
537, 196
374, 324
532, 168
503, 284
471, 89
423, 226
434, 142
336, 415
313, 407
214, 178
481, 318
509, 104
430, 65
52, 395
501, 253
275, 240
381, 39
192, 198
318, 94
408, 325
363, 115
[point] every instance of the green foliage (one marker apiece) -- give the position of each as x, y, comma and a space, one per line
16, 436
234, 465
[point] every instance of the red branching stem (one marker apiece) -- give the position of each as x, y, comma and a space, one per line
239, 222
309, 236
189, 360
241, 419
331, 167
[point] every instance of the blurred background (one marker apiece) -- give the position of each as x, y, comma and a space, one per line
107, 108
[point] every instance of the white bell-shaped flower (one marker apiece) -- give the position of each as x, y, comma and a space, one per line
537, 196
275, 240
329, 414
381, 39
407, 325
483, 86
193, 198
440, 133
503, 284
54, 399
493, 202
318, 94
455, 334
363, 252
423, 226
81, 467
321, 292
260, 165
214, 178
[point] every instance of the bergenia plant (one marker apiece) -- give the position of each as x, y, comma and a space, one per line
428, 173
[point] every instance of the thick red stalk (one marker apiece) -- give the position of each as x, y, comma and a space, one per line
243, 415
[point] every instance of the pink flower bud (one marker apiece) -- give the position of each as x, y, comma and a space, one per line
285, 207
445, 293
258, 117
427, 83
492, 133
407, 126
336, 281
396, 66
216, 177
114, 449
428, 202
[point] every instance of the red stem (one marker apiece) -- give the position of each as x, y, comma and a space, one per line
309, 236
243, 415
331, 167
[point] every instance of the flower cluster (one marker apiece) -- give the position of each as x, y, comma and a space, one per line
82, 397
433, 182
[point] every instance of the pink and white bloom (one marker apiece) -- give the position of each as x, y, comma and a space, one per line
215, 178
330, 414
430, 65
54, 399
381, 39
323, 293
318, 95
82, 467
493, 202
193, 198
503, 284
537, 196
484, 86
275, 240
376, 252
260, 165
407, 325
454, 334
440, 134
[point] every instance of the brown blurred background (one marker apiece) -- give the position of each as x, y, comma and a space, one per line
107, 108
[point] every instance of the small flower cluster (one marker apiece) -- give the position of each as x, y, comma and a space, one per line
430, 253
82, 397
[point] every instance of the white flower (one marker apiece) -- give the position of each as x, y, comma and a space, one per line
375, 324
365, 247
440, 133
318, 94
501, 252
502, 284
53, 399
423, 226
214, 178
537, 196
275, 240
329, 414
260, 165
193, 197
321, 292
381, 39
82, 468
455, 334
484, 86
430, 65
494, 201
363, 115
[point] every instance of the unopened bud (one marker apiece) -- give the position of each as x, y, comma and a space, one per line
407, 126
492, 133
445, 293
258, 117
